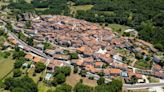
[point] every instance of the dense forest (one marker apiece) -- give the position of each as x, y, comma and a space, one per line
143, 15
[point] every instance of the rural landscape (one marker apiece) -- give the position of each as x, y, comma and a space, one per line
81, 46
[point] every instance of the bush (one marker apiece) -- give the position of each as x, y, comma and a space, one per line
91, 78
6, 54
74, 55
39, 67
75, 70
17, 73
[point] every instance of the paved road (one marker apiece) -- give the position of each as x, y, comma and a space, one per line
145, 85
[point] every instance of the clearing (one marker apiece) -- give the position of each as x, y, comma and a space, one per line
75, 78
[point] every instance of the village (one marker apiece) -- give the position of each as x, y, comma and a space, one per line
94, 50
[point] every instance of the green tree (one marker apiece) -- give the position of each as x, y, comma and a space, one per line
101, 81
133, 79
39, 67
63, 88
75, 70
47, 45
79, 87
18, 89
74, 55
18, 54
17, 73
65, 70
30, 41
60, 78
54, 82
25, 83
18, 64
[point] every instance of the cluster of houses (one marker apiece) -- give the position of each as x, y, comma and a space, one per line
96, 46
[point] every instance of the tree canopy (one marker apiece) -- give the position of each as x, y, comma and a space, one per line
24, 84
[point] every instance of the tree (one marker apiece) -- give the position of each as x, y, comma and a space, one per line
114, 86
65, 70
159, 46
101, 81
18, 89
47, 45
30, 41
75, 69
6, 54
83, 73
18, 64
26, 83
74, 55
54, 82
133, 79
79, 87
101, 74
18, 54
28, 24
60, 78
17, 73
39, 67
63, 88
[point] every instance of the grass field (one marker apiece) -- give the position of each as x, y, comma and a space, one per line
143, 64
75, 78
6, 65
80, 7
118, 28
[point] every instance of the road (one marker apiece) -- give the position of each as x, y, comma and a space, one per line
141, 86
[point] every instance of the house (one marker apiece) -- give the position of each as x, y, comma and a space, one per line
159, 75
103, 57
29, 56
55, 63
157, 67
31, 32
98, 64
156, 59
61, 56
132, 32
6, 44
102, 51
115, 72
88, 60
141, 80
119, 66
37, 59
50, 52
14, 41
40, 46
124, 74
79, 62
87, 51
106, 72
25, 65
117, 58
48, 77
90, 68
130, 73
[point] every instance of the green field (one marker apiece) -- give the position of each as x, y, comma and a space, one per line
6, 66
118, 28
143, 64
80, 7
